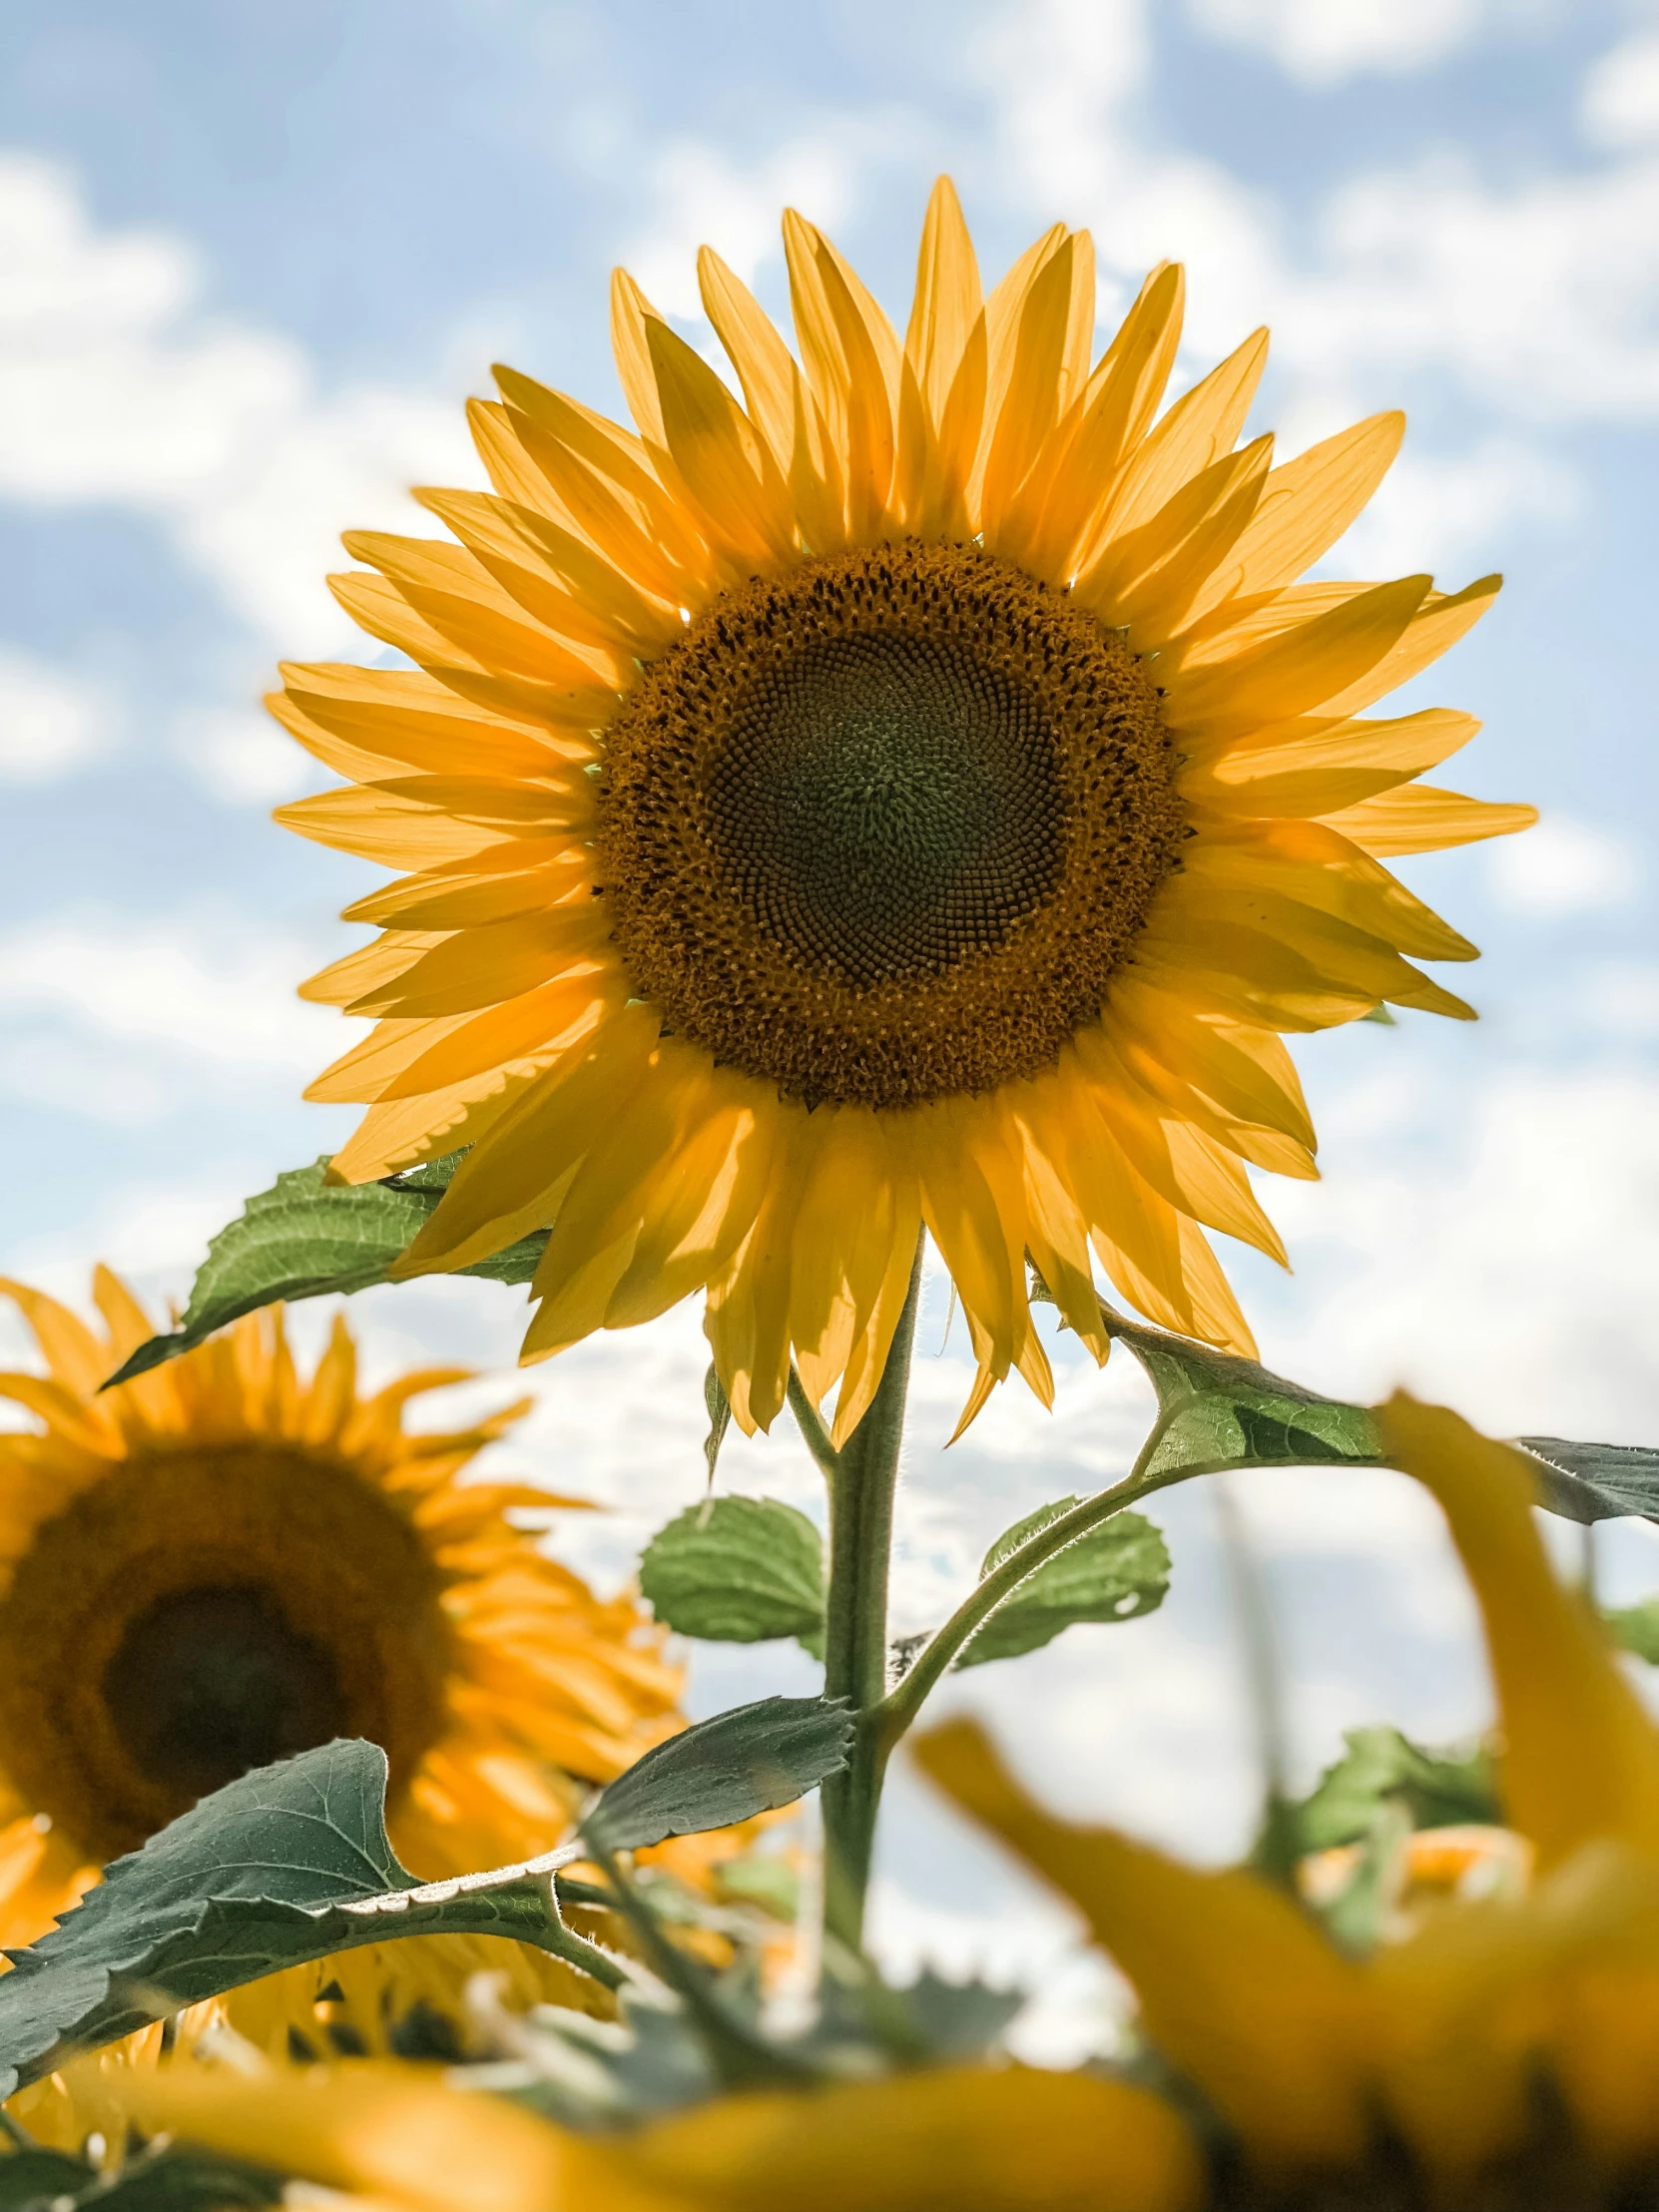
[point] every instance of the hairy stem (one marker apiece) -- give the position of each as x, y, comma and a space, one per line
863, 1478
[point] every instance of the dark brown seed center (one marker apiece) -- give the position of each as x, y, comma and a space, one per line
879, 829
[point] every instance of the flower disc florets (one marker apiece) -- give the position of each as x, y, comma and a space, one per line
879, 828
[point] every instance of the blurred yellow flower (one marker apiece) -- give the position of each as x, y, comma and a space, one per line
920, 795
963, 2139
221, 1563
1494, 2012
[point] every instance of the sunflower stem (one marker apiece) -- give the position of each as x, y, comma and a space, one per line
901, 1704
863, 1478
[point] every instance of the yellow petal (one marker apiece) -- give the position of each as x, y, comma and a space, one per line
947, 300
1581, 1757
1439, 623
727, 467
511, 1185
851, 357
1031, 403
1199, 429
78, 1362
1009, 2140
631, 347
1238, 1986
1422, 819
1306, 505
1303, 667
1057, 527
394, 2133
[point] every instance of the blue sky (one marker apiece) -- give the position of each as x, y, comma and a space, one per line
251, 260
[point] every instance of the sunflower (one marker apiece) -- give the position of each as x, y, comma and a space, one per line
919, 795
219, 1564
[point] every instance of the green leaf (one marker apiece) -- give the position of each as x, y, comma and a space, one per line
1380, 1767
1113, 1573
307, 1238
34, 2178
169, 2180
1636, 1627
285, 1864
1591, 1482
738, 1571
720, 1772
1230, 1412
1224, 1411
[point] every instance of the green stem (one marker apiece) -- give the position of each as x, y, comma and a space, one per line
901, 1704
863, 1478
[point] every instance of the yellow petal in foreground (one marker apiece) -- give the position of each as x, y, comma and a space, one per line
1238, 1987
385, 2132
1002, 2141
1580, 1756
876, 712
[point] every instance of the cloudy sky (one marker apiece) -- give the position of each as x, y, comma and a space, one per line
252, 258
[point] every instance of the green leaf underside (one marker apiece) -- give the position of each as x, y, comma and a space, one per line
1636, 1627
722, 1770
305, 1237
1380, 1768
249, 1879
1224, 1411
1115, 1573
1230, 1412
1591, 1482
738, 1571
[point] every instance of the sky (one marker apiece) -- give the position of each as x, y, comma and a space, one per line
254, 257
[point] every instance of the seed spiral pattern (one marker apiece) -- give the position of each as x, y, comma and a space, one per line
880, 829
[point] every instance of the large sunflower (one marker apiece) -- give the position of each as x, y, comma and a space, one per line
919, 795
219, 1563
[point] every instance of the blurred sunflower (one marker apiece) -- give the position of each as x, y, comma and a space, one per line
219, 1564
917, 795
961, 2140
1503, 2049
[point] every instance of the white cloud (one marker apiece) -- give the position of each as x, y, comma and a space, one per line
1325, 42
114, 389
1534, 302
1507, 1262
1563, 867
242, 755
1450, 511
705, 199
177, 1003
52, 720
1619, 101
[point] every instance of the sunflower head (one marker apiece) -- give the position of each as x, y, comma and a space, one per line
915, 793
222, 1563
